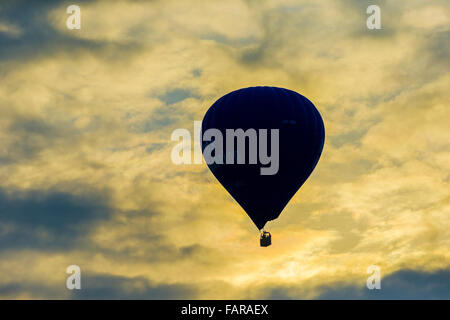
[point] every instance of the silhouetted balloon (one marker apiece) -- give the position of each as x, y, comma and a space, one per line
301, 140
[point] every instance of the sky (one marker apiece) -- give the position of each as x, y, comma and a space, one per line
86, 176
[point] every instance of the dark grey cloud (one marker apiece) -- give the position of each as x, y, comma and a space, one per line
49, 220
177, 95
262, 51
224, 39
151, 245
403, 284
54, 220
439, 48
350, 137
39, 38
155, 147
117, 287
38, 35
102, 286
166, 115
197, 72
433, 55
39, 291
158, 120
288, 32
28, 136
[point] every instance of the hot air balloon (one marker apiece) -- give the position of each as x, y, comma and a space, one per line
292, 129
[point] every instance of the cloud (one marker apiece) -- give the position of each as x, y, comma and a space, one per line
29, 35
10, 30
100, 286
85, 169
176, 95
117, 287
403, 284
49, 220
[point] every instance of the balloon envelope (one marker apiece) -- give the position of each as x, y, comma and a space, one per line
301, 140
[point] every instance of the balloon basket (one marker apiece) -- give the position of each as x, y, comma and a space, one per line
265, 239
